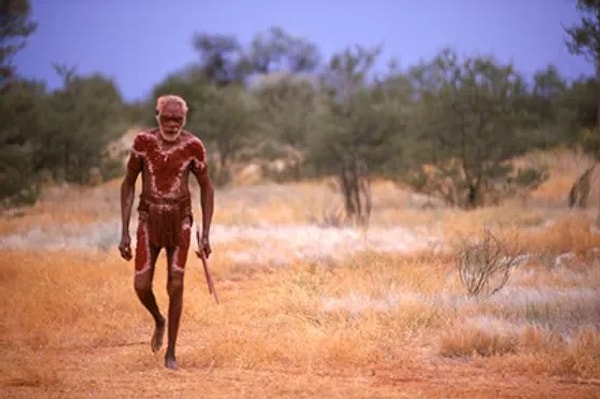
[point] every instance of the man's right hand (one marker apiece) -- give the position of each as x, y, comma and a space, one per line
125, 247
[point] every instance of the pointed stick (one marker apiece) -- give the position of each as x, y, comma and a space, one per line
202, 255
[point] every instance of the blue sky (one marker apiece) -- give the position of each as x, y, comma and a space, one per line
139, 42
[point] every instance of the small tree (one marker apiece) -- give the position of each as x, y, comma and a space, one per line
484, 264
470, 124
359, 123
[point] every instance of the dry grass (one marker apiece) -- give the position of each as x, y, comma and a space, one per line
365, 316
301, 317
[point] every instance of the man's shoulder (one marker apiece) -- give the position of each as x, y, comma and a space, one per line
194, 145
191, 139
144, 136
147, 134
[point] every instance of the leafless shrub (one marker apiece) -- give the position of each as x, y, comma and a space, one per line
484, 264
333, 216
328, 213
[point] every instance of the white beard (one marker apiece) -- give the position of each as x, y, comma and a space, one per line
169, 138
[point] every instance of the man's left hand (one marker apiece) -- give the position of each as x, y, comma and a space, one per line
204, 245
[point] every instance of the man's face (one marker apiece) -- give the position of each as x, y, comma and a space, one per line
171, 121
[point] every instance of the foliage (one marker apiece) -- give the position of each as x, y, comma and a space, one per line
585, 37
288, 106
220, 58
15, 27
81, 119
227, 121
356, 127
58, 136
21, 123
471, 120
278, 51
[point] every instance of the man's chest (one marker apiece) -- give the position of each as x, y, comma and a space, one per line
167, 160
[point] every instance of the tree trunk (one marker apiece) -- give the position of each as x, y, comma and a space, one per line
580, 191
356, 190
474, 194
471, 196
222, 175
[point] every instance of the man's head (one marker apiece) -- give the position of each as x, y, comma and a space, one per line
171, 114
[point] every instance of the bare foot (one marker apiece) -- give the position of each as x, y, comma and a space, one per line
170, 363
157, 338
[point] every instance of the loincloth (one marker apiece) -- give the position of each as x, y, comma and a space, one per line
164, 218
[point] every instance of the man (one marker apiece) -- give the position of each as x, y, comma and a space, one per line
165, 156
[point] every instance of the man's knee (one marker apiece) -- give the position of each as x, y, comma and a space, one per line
142, 283
175, 284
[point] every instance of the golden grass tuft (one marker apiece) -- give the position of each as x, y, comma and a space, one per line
570, 233
62, 299
564, 167
469, 340
534, 339
545, 353
533, 349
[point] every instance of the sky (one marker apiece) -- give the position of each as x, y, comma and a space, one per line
137, 43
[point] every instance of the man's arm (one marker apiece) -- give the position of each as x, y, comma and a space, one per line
207, 193
127, 197
133, 169
207, 197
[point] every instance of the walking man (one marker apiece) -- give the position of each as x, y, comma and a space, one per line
165, 156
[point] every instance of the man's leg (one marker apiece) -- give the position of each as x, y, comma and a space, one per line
176, 259
145, 262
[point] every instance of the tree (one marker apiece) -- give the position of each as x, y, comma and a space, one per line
278, 51
15, 26
470, 122
548, 89
396, 95
584, 39
356, 129
289, 106
546, 107
20, 115
18, 119
80, 120
221, 58
227, 121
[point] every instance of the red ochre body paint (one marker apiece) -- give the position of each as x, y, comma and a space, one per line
165, 212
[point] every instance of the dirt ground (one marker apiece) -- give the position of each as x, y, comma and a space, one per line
130, 370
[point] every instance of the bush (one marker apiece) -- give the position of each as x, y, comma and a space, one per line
18, 185
484, 264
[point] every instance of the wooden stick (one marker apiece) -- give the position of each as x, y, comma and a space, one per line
209, 281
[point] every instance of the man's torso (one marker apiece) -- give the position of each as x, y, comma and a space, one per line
165, 167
